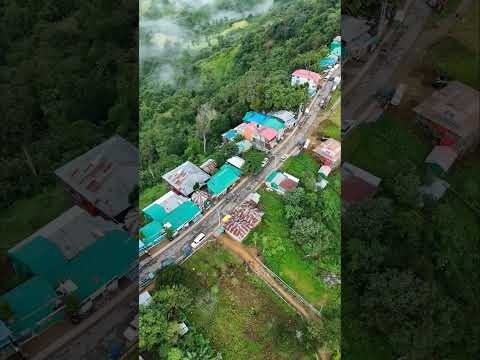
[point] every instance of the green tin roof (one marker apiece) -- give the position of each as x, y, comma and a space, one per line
30, 302
109, 257
42, 258
223, 178
264, 120
271, 176
155, 212
153, 232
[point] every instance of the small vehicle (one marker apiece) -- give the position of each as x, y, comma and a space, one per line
284, 157
197, 241
306, 145
397, 97
265, 162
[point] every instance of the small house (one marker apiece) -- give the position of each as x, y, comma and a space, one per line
223, 179
302, 76
281, 182
441, 159
329, 152
186, 178
236, 161
357, 184
356, 36
451, 115
102, 179
287, 117
171, 211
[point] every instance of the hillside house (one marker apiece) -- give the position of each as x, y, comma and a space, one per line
102, 179
329, 152
357, 184
265, 121
260, 137
356, 36
302, 76
244, 146
451, 115
243, 220
209, 166
281, 182
171, 211
286, 117
63, 258
186, 178
236, 161
440, 159
223, 179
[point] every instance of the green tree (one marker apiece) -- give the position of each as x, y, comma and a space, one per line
205, 116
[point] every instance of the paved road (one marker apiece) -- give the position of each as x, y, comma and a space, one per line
405, 48
387, 59
237, 195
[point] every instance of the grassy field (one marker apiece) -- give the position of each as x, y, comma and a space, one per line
381, 147
280, 253
300, 165
218, 66
26, 216
240, 316
149, 195
458, 61
466, 31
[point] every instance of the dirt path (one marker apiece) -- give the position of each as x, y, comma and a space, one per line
257, 267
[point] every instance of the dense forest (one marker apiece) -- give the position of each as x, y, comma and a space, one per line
68, 78
235, 62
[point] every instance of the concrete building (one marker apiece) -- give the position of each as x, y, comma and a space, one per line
329, 152
302, 76
451, 115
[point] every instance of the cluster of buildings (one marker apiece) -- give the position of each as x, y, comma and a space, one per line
358, 37
336, 53
260, 131
72, 255
192, 190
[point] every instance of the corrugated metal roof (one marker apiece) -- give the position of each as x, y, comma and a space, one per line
184, 177
72, 231
105, 175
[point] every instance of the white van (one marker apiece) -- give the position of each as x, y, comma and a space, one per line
397, 97
307, 144
196, 242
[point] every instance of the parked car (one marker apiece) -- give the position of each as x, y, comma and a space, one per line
284, 157
265, 162
198, 240
397, 97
